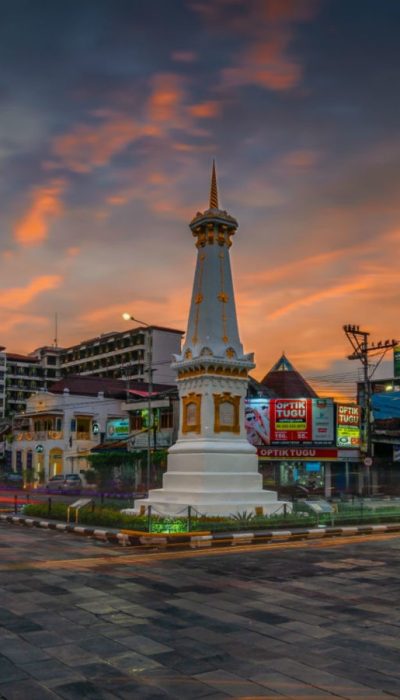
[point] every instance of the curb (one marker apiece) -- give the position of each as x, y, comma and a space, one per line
199, 540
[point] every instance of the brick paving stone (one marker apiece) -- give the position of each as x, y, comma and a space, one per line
290, 687
231, 684
315, 622
177, 685
10, 672
131, 662
83, 690
144, 645
49, 670
72, 654
26, 690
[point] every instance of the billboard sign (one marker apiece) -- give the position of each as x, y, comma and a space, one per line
348, 425
274, 421
257, 423
290, 420
117, 429
290, 453
322, 420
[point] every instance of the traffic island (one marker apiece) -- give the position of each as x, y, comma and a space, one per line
196, 539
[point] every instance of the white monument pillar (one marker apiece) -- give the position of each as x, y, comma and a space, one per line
212, 467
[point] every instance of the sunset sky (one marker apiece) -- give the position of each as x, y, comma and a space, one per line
111, 113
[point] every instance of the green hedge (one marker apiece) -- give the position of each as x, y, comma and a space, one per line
110, 517
104, 517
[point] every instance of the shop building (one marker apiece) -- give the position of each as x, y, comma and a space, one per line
384, 420
302, 438
59, 428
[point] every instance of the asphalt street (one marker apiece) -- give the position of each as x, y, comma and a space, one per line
84, 619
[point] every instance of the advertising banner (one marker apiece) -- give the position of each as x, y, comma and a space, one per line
348, 425
290, 420
322, 420
117, 429
257, 421
297, 453
273, 421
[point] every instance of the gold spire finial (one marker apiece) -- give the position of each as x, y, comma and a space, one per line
214, 189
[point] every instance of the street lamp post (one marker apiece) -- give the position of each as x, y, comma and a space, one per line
128, 317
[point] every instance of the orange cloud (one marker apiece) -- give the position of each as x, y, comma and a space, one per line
16, 297
339, 290
157, 178
265, 64
204, 110
166, 98
267, 26
88, 147
46, 205
292, 269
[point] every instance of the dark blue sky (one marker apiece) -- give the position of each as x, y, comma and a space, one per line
111, 114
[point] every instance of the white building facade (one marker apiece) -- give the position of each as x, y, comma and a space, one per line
57, 431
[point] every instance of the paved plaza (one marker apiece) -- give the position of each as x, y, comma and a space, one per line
80, 619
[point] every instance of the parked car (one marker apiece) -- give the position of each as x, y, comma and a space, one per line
55, 482
72, 482
12, 479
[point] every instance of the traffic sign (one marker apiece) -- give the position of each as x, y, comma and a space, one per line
368, 461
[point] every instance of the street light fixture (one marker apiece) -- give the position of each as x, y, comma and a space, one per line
127, 317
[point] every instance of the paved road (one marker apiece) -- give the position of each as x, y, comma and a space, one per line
80, 619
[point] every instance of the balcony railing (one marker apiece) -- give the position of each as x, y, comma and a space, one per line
40, 435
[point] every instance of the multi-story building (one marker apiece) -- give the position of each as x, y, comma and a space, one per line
127, 354
130, 355
59, 428
24, 375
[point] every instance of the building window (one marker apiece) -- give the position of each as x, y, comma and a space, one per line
166, 419
136, 421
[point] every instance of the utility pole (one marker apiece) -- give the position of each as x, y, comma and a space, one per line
362, 351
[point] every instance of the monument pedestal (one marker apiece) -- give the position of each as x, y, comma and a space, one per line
214, 477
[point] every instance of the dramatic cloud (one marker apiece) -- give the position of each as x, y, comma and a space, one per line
166, 99
266, 28
87, 147
46, 205
111, 121
18, 297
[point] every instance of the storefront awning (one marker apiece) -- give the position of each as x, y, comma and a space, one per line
137, 392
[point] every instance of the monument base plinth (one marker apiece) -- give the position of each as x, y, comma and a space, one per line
224, 504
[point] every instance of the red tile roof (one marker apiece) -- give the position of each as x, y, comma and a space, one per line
286, 382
